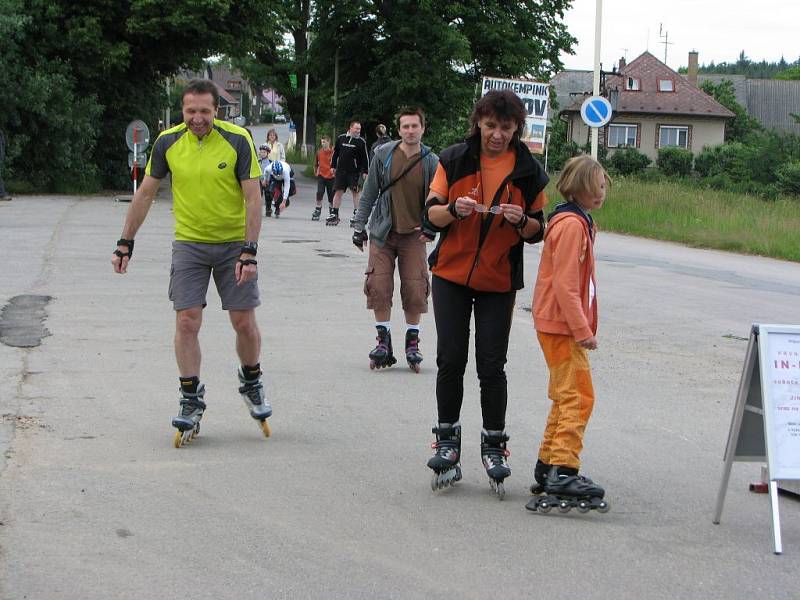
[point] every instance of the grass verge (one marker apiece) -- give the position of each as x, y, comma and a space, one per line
696, 216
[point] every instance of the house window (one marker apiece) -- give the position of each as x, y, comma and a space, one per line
669, 135
620, 135
665, 85
631, 83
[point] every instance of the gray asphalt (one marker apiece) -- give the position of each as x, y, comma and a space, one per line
96, 503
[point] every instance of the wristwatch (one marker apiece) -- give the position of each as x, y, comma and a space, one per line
250, 248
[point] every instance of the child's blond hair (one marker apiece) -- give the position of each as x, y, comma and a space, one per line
579, 176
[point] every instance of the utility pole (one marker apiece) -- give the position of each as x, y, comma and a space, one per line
596, 82
335, 87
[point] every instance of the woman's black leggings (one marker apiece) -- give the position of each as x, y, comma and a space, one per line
453, 306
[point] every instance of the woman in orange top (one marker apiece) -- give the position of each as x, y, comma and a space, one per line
486, 199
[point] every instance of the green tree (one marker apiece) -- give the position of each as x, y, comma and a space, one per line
95, 65
742, 125
791, 73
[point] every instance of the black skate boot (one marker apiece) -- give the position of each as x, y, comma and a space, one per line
353, 219
277, 210
317, 213
252, 391
446, 463
540, 472
268, 208
494, 455
333, 218
413, 355
187, 422
382, 355
566, 489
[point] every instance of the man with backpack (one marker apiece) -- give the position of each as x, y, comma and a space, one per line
393, 199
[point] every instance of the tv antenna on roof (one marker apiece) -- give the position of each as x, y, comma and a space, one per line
666, 42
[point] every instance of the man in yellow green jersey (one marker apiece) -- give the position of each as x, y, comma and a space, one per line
217, 206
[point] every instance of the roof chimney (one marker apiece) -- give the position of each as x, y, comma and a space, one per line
622, 63
691, 71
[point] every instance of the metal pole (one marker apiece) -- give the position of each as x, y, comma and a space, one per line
596, 83
335, 87
776, 519
304, 150
546, 150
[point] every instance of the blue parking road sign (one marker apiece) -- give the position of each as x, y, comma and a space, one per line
596, 111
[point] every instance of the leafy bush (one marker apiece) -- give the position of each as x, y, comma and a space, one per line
627, 161
675, 161
733, 160
788, 177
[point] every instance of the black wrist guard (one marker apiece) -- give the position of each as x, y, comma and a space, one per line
247, 261
359, 238
250, 248
522, 222
128, 244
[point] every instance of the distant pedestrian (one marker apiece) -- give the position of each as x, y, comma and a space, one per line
266, 168
350, 160
382, 138
565, 317
276, 149
324, 174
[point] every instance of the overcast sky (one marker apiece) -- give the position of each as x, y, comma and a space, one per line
718, 29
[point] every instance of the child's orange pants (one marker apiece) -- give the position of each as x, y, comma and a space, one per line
570, 389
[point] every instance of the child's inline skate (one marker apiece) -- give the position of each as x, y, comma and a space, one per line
494, 454
565, 489
413, 355
382, 355
317, 212
540, 472
252, 391
446, 462
187, 422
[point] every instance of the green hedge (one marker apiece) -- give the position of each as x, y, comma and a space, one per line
675, 161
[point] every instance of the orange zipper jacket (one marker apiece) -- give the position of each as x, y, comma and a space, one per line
564, 299
486, 254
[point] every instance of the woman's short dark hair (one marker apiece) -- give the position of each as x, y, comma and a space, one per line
503, 105
201, 86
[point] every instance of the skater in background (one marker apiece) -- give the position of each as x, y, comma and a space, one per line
324, 175
276, 149
217, 224
394, 196
266, 168
486, 200
382, 138
565, 317
281, 186
349, 161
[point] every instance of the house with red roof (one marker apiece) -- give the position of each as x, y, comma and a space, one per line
654, 107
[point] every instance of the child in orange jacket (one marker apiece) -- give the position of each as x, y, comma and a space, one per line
565, 317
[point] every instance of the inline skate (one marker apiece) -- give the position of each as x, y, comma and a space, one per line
540, 472
252, 391
413, 355
494, 454
446, 462
317, 213
382, 355
332, 220
187, 422
565, 489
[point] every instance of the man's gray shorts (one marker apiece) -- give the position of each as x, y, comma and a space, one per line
193, 262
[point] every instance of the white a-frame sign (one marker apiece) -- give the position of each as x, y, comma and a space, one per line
766, 419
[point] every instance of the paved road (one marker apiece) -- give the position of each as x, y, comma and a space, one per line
96, 503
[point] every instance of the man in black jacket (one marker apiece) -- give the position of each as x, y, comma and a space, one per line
349, 161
